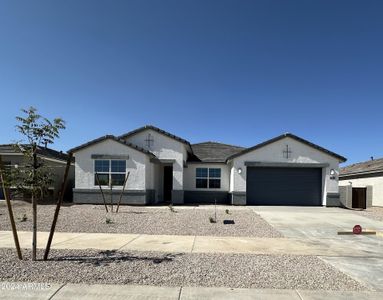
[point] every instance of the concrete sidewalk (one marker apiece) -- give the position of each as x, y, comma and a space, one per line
82, 291
198, 244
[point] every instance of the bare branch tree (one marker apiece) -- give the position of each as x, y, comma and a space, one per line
33, 176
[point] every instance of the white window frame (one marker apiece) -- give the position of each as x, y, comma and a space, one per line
108, 173
208, 178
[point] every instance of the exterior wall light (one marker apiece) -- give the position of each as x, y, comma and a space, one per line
332, 174
239, 170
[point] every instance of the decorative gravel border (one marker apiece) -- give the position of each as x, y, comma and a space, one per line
154, 268
145, 220
374, 213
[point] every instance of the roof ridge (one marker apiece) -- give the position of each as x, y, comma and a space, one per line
42, 150
113, 137
215, 142
159, 130
290, 135
363, 162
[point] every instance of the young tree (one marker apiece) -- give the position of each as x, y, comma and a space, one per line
33, 176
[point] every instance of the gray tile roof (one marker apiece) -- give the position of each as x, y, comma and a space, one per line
212, 152
112, 137
168, 134
42, 151
290, 135
366, 167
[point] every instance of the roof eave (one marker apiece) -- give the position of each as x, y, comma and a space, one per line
361, 173
156, 129
111, 137
268, 142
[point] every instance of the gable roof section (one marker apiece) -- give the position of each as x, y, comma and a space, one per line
366, 167
42, 151
212, 152
110, 137
163, 132
290, 135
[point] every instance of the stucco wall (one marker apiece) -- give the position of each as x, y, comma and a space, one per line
375, 182
164, 148
84, 166
300, 153
190, 176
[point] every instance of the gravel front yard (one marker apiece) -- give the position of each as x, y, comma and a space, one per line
143, 220
151, 268
374, 213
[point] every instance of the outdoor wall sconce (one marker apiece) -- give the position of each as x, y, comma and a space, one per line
332, 174
239, 170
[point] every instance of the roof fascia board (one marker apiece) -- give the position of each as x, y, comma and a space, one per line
158, 130
278, 138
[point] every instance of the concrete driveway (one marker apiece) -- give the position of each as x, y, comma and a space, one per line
319, 225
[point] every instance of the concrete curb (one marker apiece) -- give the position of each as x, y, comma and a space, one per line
19, 290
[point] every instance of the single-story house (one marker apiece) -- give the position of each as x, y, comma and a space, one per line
164, 168
362, 184
56, 160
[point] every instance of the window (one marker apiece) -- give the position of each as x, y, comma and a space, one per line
208, 178
110, 171
214, 178
201, 178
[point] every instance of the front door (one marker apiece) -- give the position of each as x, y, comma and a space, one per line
168, 183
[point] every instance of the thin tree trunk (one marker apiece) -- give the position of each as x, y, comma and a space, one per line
10, 212
34, 207
111, 197
122, 192
34, 226
58, 205
102, 193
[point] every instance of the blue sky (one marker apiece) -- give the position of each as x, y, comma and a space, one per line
238, 72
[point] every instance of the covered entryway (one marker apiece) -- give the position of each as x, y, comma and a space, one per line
284, 186
168, 183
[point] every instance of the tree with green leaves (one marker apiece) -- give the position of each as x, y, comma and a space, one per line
33, 176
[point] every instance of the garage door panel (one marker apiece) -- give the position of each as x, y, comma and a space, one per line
284, 186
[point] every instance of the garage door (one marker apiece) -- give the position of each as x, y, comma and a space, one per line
284, 186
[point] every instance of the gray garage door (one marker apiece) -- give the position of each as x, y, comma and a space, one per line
284, 186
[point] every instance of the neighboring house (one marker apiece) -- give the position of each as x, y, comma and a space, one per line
53, 159
362, 184
164, 168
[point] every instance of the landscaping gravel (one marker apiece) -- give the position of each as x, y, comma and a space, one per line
374, 213
151, 268
143, 220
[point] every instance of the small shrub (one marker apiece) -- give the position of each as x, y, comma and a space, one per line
172, 208
212, 220
227, 212
108, 220
24, 218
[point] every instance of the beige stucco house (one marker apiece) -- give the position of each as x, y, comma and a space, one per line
165, 168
